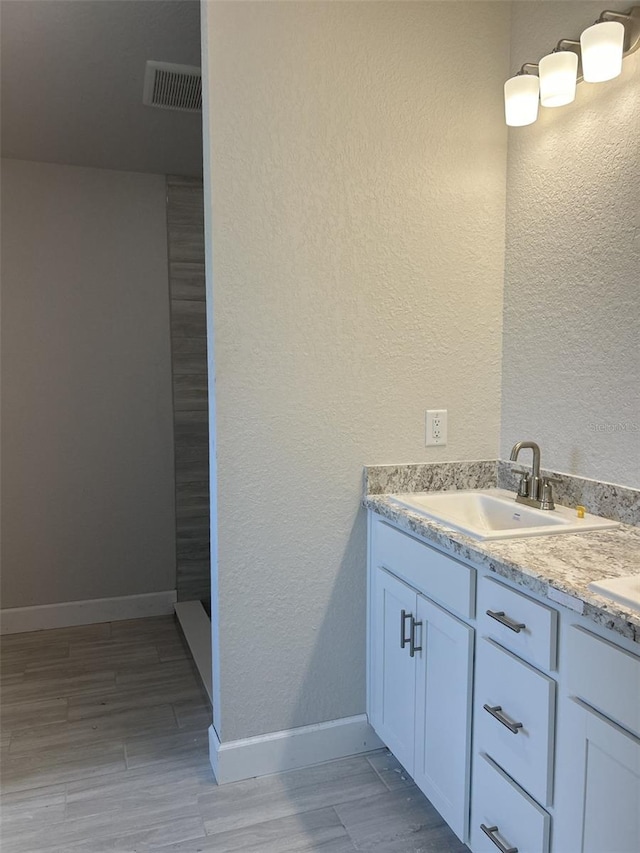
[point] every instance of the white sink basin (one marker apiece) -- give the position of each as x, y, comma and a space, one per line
494, 514
626, 590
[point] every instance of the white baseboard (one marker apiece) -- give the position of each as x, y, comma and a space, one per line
17, 620
196, 627
290, 749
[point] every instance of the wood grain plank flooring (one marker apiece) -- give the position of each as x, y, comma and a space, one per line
116, 761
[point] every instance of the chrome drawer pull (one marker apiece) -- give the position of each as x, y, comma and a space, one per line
499, 616
413, 648
403, 618
489, 830
496, 711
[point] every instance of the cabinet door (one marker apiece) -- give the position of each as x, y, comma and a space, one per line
393, 670
443, 713
601, 772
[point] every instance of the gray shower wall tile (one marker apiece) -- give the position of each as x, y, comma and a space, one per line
184, 244
189, 470
185, 230
187, 280
188, 319
194, 579
194, 416
184, 181
190, 392
184, 214
191, 457
185, 362
184, 203
192, 500
192, 547
193, 493
191, 427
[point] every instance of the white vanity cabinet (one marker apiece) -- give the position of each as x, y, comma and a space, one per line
521, 724
598, 755
420, 667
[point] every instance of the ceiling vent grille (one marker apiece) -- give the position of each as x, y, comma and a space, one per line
172, 87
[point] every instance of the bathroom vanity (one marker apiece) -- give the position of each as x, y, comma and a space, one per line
508, 690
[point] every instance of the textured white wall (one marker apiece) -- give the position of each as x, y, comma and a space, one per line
87, 440
357, 191
571, 369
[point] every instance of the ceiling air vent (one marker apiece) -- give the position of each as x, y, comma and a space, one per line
172, 87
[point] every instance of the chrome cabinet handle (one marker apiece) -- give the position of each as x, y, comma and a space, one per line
497, 712
413, 648
403, 618
490, 832
499, 616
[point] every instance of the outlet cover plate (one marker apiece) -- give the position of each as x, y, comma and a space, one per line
436, 427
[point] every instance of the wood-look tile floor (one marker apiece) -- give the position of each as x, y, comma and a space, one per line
104, 748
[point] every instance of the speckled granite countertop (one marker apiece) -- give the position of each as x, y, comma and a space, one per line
556, 567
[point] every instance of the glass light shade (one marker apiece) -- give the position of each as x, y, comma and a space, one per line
602, 46
521, 100
558, 75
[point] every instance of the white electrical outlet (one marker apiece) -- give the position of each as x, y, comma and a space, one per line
436, 427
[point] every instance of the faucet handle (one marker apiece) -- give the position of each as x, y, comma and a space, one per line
523, 485
546, 502
547, 481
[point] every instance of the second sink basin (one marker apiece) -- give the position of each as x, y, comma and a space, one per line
494, 514
625, 590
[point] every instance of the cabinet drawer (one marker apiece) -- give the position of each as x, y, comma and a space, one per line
438, 576
500, 805
605, 676
531, 630
519, 694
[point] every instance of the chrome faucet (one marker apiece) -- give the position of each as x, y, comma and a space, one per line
533, 490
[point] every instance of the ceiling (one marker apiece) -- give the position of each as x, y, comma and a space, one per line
72, 74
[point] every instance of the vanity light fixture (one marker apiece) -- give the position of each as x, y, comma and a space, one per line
558, 78
595, 58
601, 46
521, 98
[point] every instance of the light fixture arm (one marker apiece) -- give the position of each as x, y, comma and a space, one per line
527, 66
